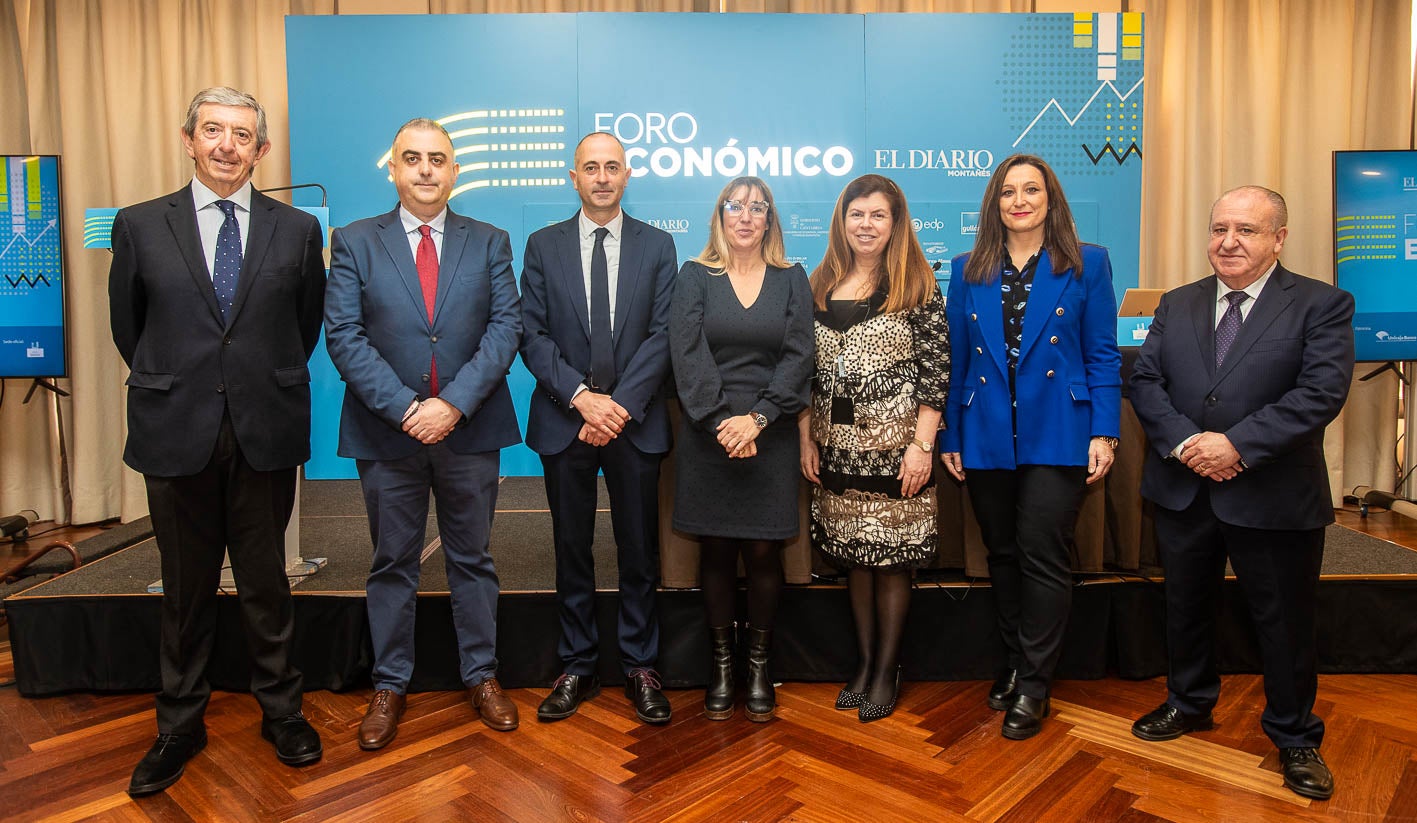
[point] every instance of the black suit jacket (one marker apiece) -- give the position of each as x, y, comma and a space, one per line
1284, 379
556, 333
187, 365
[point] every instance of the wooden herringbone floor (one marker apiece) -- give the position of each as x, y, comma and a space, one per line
938, 758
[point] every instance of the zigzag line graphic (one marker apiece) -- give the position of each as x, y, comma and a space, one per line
1072, 121
1110, 149
27, 280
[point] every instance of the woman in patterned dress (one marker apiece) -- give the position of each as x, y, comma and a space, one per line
867, 441
1031, 314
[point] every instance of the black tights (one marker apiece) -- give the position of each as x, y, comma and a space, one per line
879, 602
718, 575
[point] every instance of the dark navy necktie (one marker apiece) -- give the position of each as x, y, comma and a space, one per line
227, 264
1229, 326
602, 351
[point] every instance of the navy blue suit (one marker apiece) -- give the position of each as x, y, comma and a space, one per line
1284, 380
381, 340
556, 349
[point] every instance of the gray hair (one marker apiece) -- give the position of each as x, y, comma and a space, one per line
422, 123
225, 96
1281, 210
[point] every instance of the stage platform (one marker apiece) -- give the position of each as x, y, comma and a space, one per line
96, 628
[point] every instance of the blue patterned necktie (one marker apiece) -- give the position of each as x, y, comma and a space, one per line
228, 258
1229, 326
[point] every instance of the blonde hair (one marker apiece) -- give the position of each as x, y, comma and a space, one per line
716, 254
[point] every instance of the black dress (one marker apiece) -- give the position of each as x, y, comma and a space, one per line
731, 360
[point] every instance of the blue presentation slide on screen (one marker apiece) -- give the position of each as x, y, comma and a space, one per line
31, 269
1375, 249
807, 102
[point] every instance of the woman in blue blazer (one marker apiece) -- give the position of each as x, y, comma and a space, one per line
1033, 411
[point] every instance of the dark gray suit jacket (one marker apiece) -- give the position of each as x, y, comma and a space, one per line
187, 365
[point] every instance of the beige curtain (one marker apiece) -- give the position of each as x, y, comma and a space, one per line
1237, 91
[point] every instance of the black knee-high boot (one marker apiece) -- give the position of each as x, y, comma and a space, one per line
761, 699
718, 697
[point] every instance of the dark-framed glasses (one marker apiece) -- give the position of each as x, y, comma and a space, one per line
757, 208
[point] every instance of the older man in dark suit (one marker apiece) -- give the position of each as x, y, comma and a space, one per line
595, 293
1237, 379
422, 320
214, 295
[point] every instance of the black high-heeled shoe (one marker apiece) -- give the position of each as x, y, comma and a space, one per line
869, 712
847, 699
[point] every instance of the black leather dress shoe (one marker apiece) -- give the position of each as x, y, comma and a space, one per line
1001, 694
164, 763
567, 694
1167, 722
1025, 717
295, 740
1306, 773
642, 687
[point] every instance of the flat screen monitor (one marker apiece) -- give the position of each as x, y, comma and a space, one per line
32, 338
1375, 249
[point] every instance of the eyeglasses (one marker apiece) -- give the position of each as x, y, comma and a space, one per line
733, 208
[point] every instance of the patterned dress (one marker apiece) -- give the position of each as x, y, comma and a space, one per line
874, 371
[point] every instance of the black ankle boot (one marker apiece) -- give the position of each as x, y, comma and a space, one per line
761, 698
718, 697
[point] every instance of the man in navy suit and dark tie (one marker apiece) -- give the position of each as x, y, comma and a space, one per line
214, 298
1235, 383
595, 292
422, 320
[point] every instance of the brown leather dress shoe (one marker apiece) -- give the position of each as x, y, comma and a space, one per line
497, 710
381, 721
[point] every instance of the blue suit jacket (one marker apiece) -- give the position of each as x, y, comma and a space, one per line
556, 333
1068, 382
1284, 379
379, 336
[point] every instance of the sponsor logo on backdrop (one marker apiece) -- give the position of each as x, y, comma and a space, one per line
969, 222
672, 145
1388, 337
953, 162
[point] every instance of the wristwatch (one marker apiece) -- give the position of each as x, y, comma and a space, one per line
922, 445
1110, 441
759, 419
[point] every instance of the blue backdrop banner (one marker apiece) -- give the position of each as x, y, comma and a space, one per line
807, 102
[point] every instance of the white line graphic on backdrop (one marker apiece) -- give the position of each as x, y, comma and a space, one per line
506, 173
1072, 121
21, 236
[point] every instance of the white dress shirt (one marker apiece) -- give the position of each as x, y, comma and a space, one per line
587, 229
411, 225
210, 217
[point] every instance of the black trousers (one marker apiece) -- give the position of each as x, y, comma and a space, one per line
1278, 571
196, 519
632, 481
1026, 517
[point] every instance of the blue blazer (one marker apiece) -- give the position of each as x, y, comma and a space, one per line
379, 336
1068, 382
556, 333
1284, 379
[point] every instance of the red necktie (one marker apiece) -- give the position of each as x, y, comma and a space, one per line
427, 263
